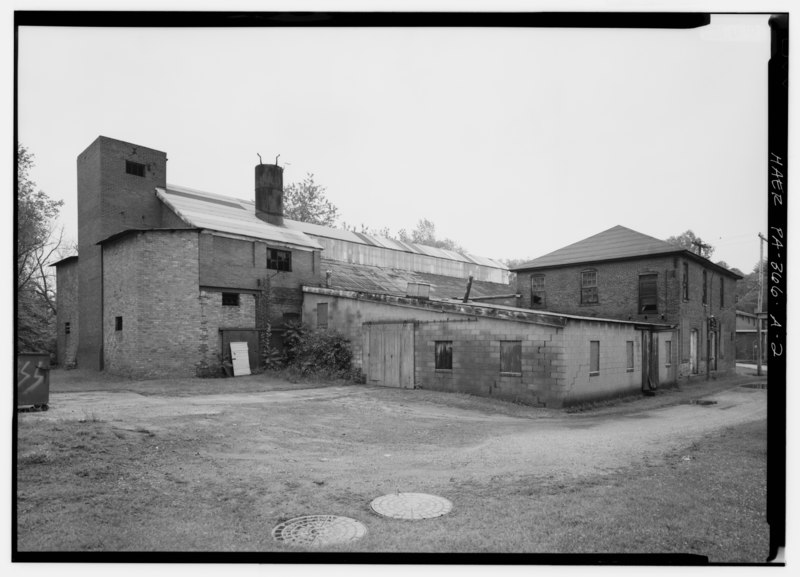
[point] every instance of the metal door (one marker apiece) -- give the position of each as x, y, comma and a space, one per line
389, 352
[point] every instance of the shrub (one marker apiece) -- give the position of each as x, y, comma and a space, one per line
318, 352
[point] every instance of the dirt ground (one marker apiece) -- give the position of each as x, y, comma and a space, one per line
215, 464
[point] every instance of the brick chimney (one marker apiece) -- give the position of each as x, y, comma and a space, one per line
269, 193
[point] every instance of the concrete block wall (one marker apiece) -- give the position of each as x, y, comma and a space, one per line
476, 359
555, 361
67, 312
151, 281
347, 316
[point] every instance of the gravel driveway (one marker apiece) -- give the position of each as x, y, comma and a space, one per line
400, 430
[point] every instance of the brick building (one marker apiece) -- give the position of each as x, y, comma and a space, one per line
627, 275
167, 276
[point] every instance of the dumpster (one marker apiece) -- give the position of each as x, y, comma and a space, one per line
33, 380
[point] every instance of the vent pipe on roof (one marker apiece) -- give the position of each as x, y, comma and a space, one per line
269, 193
469, 287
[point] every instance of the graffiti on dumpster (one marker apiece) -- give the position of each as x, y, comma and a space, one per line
28, 371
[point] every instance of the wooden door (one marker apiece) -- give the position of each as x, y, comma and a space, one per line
693, 352
389, 351
649, 360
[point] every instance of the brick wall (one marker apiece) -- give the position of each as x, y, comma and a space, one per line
67, 312
214, 315
151, 281
109, 201
227, 263
618, 296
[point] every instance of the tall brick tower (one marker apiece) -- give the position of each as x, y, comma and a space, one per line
116, 192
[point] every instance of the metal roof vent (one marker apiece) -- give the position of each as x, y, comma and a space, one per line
418, 290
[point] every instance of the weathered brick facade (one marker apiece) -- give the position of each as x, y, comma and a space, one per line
151, 304
110, 199
238, 264
67, 312
618, 297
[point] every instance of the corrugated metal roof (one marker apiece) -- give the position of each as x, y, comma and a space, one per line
373, 279
384, 242
229, 215
614, 243
215, 212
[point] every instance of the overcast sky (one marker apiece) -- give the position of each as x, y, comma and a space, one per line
514, 142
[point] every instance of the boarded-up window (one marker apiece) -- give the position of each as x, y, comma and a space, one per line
134, 168
648, 293
444, 355
594, 357
668, 352
537, 290
511, 357
705, 287
629, 351
589, 287
322, 315
686, 281
230, 299
279, 259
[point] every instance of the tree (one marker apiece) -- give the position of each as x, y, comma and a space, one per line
690, 241
306, 202
364, 229
37, 243
747, 290
425, 233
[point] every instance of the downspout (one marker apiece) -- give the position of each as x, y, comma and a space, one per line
102, 312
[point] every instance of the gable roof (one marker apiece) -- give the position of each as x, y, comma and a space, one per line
209, 211
616, 243
205, 210
380, 280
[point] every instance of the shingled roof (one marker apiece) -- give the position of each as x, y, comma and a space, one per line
617, 243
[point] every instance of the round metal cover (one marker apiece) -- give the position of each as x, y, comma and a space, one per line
319, 531
411, 506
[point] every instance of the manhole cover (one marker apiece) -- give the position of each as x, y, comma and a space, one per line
411, 506
755, 385
319, 531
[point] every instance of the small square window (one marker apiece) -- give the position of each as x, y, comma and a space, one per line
118, 323
66, 328
134, 168
629, 351
594, 358
230, 299
322, 315
279, 260
511, 357
444, 355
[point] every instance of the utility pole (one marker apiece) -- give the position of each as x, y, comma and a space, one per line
760, 297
